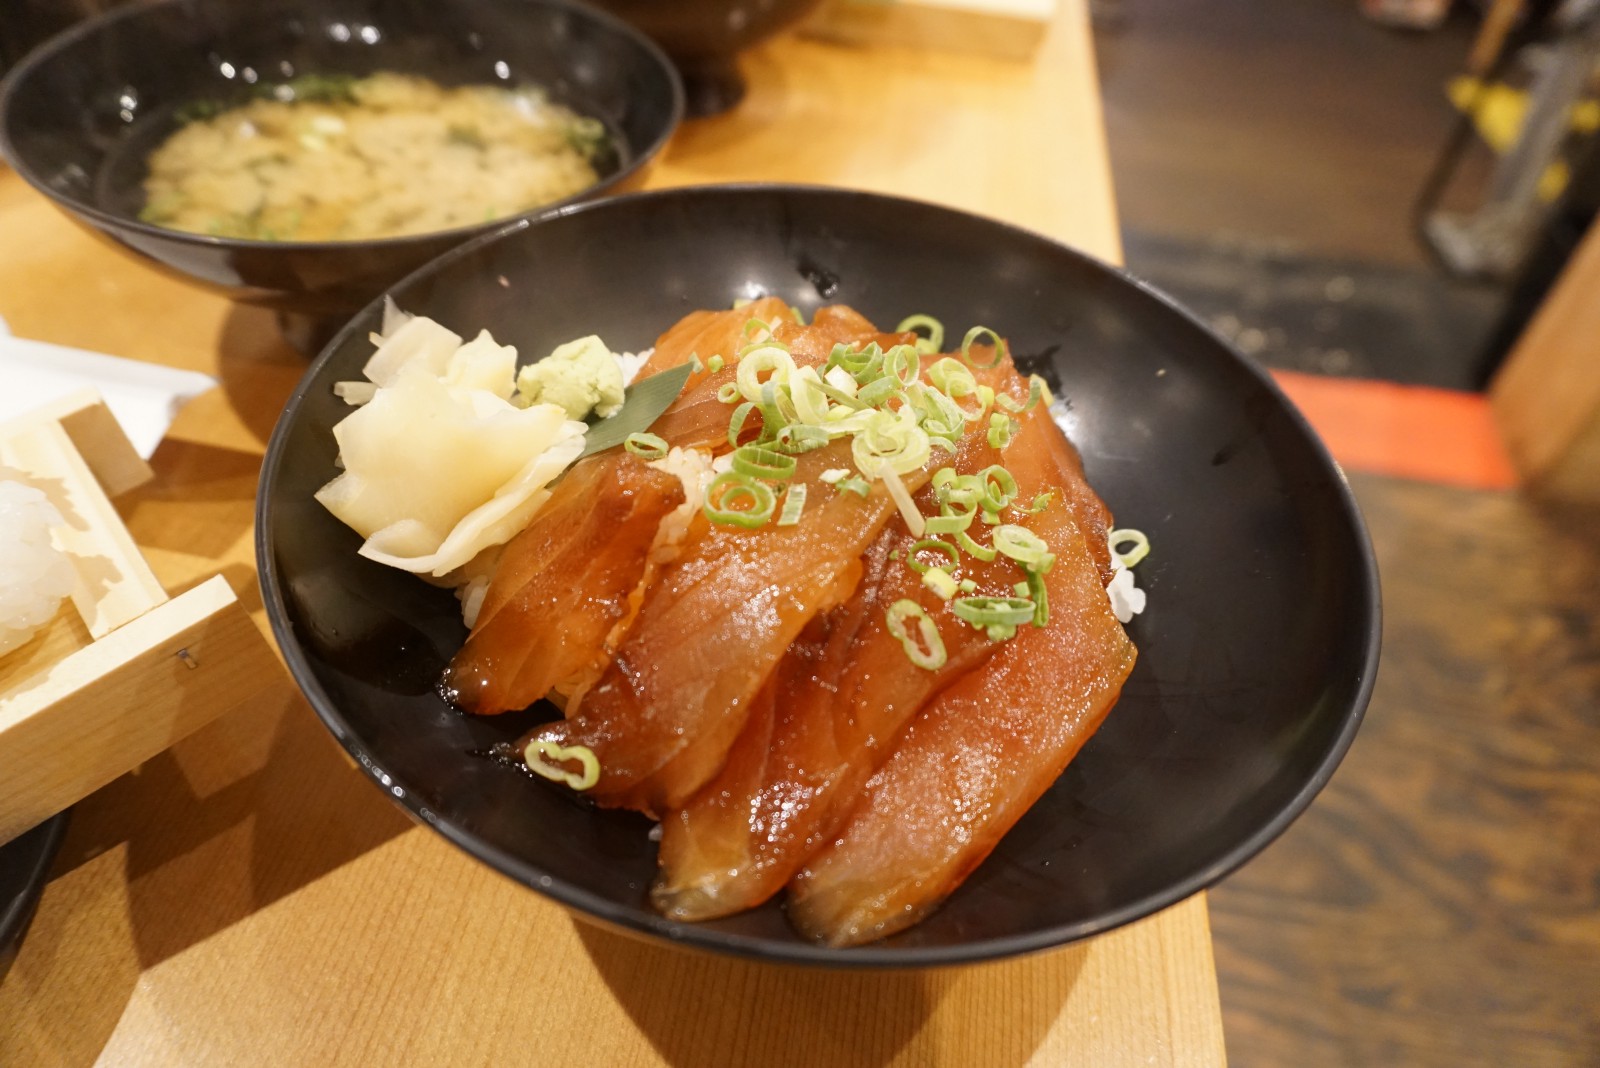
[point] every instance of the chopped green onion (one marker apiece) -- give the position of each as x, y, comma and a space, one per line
887, 442
776, 409
1020, 588
1001, 350
736, 424
879, 390
941, 416
1000, 632
805, 395
752, 327
930, 653
768, 343
1023, 546
756, 461
934, 544
833, 474
728, 491
960, 493
939, 581
1041, 598
840, 396
794, 502
1000, 430
839, 378
647, 446
539, 748
947, 524
1037, 391
766, 358
695, 366
972, 548
952, 378
1041, 502
903, 363
988, 611
1035, 382
801, 437
864, 365
935, 339
714, 364
1141, 545
728, 392
985, 400
998, 488
855, 485
799, 316
968, 586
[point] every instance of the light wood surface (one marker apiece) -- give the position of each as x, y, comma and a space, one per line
1546, 396
1010, 29
248, 898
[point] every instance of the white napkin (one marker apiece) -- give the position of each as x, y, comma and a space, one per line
143, 396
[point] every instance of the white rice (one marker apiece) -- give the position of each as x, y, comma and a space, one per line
34, 575
632, 363
1127, 600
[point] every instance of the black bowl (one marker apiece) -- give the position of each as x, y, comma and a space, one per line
1257, 652
704, 38
80, 114
24, 869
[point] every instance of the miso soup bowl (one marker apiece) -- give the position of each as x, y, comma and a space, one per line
81, 113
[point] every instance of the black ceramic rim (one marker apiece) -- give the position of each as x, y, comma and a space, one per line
30, 854
644, 155
636, 921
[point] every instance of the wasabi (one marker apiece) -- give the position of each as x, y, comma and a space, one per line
581, 376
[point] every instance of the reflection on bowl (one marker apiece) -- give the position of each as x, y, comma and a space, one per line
80, 115
1256, 655
704, 38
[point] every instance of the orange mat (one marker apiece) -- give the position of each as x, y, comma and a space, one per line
1418, 432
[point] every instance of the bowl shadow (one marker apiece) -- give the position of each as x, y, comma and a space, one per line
747, 1012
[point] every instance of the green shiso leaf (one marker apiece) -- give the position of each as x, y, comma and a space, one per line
642, 405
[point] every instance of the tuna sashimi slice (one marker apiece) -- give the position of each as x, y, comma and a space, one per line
563, 584
982, 752
663, 716
742, 837
697, 419
569, 575
712, 333
717, 840
784, 793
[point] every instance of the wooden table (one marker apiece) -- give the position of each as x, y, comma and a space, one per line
249, 898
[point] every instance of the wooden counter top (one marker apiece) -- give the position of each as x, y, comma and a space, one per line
249, 898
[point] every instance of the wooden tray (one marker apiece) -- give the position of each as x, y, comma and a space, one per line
123, 671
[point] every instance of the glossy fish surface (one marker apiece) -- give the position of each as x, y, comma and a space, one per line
663, 716
978, 756
562, 585
748, 831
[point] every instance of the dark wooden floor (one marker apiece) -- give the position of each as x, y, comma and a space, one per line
1291, 122
1439, 905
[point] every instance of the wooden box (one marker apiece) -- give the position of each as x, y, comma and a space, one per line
122, 671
